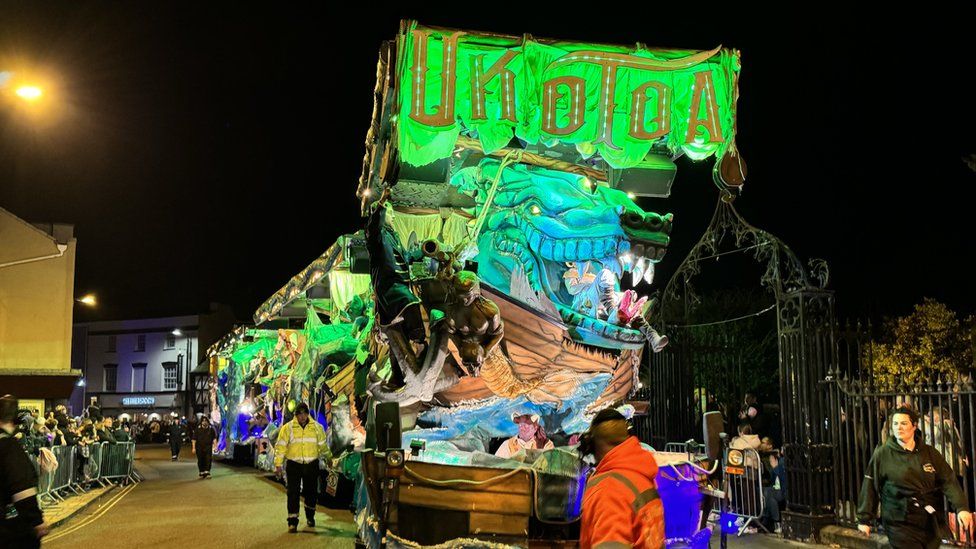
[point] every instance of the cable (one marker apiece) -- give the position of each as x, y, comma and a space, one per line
764, 311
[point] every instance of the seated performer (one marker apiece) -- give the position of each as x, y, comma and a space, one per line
530, 436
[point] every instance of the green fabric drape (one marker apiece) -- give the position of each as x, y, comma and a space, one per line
343, 285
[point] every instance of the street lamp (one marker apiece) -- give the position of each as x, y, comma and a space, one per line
87, 299
29, 93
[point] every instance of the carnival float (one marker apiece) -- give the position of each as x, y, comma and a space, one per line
459, 341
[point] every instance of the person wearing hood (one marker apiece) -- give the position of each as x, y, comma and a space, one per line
621, 507
910, 478
746, 440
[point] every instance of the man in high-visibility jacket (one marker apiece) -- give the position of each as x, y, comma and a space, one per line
621, 507
301, 443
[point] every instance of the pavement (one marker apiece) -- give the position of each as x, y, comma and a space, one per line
57, 513
238, 507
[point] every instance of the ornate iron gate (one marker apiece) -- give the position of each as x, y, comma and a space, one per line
805, 328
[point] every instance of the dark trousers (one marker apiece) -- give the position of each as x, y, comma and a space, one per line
174, 446
204, 458
911, 536
17, 533
774, 501
304, 478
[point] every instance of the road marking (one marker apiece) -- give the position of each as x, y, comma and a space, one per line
95, 516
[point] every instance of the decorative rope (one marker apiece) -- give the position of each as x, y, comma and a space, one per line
449, 482
512, 157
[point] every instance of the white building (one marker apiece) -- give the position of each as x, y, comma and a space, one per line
140, 366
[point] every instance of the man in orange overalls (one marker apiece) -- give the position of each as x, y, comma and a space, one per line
621, 507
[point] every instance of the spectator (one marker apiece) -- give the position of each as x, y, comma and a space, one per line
55, 433
70, 433
746, 440
154, 431
752, 413
61, 416
775, 493
122, 433
86, 438
103, 430
941, 433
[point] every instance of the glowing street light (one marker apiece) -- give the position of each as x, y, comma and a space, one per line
177, 332
29, 93
88, 300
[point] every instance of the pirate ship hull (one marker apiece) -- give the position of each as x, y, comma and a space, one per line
536, 344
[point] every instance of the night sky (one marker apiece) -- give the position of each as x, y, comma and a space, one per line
209, 154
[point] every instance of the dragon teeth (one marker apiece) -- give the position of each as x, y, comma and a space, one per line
649, 272
637, 271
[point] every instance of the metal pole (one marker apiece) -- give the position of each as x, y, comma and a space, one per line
723, 503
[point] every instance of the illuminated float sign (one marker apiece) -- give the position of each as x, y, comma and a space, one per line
139, 401
617, 101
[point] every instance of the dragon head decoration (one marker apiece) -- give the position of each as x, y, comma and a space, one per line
559, 244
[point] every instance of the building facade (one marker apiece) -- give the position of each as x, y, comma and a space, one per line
143, 366
140, 366
37, 274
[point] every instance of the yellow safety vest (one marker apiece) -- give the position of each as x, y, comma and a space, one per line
301, 444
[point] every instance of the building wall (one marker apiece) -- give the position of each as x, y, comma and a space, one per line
36, 298
155, 354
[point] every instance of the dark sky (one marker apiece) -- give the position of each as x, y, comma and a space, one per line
209, 154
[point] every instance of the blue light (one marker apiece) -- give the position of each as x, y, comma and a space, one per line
728, 523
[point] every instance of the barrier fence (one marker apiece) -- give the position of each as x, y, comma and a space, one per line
80, 466
743, 475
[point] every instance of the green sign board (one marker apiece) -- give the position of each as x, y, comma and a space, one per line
616, 101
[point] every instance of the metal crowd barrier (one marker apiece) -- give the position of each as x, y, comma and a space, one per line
62, 478
93, 469
743, 481
106, 462
117, 460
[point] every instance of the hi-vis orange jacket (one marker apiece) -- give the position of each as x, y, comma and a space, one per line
621, 507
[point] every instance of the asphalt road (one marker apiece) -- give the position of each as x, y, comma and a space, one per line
238, 507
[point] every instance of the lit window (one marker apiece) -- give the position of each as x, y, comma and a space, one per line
169, 376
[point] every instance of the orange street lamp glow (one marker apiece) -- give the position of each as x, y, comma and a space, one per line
29, 93
88, 300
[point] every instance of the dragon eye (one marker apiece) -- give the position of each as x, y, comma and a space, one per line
536, 210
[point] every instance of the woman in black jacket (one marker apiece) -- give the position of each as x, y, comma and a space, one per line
204, 444
910, 478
